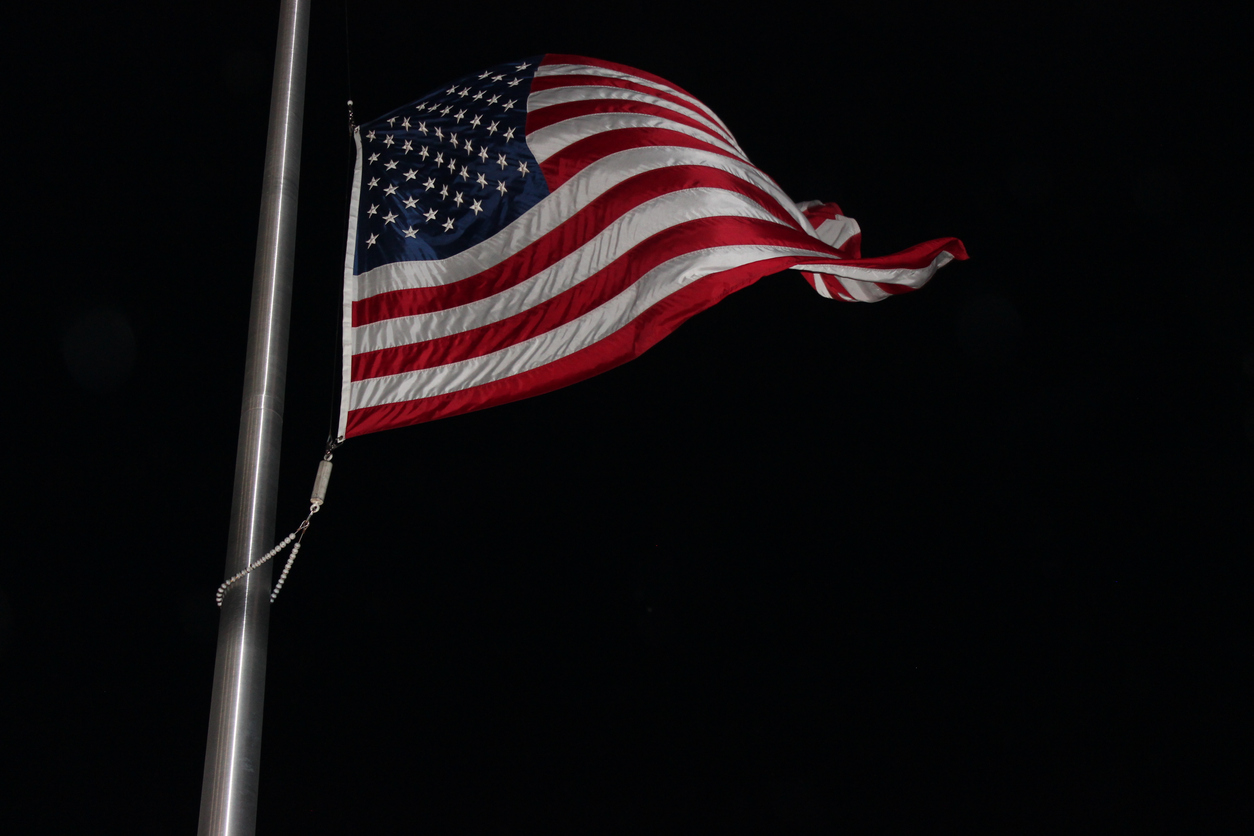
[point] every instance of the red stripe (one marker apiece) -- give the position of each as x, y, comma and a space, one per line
625, 344
577, 156
556, 82
581, 299
911, 258
553, 114
550, 60
851, 250
817, 215
560, 242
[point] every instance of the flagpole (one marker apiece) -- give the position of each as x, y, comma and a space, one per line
228, 797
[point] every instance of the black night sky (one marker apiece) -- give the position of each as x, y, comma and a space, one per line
974, 559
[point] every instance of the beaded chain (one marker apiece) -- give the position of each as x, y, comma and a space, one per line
296, 535
316, 499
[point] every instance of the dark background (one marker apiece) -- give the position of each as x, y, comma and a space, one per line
974, 558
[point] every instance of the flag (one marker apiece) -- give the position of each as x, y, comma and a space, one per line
543, 221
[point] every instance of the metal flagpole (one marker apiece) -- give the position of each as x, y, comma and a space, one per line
228, 796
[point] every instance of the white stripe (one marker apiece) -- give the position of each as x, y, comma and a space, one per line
536, 102
602, 72
593, 181
820, 285
346, 327
566, 339
550, 70
836, 231
551, 139
909, 276
862, 292
606, 247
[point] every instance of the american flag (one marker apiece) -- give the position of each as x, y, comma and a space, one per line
542, 221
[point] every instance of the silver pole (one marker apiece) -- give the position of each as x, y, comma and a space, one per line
228, 796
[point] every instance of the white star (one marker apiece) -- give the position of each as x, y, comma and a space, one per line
485, 74
411, 203
374, 158
392, 122
444, 191
461, 114
439, 134
493, 100
521, 66
479, 95
481, 180
390, 190
411, 174
372, 210
492, 128
444, 110
452, 165
422, 126
474, 123
423, 152
429, 214
465, 174
464, 93
476, 207
370, 243
374, 181
500, 160
408, 146
500, 186
410, 233
457, 198
515, 82
370, 136
483, 153
389, 218
390, 164
439, 158
509, 134
467, 147
453, 139
449, 224
498, 77
420, 107
522, 169
429, 185
405, 123
389, 141
451, 90
509, 104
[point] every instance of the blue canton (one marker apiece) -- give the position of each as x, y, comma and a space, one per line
452, 169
